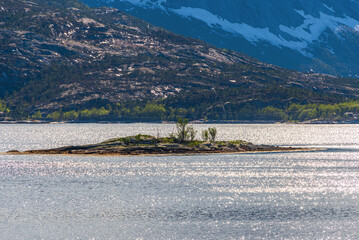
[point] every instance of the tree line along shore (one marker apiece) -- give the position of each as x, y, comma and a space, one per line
155, 111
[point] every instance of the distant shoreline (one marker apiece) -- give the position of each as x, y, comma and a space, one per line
173, 122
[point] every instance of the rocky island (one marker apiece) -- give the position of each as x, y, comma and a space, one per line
145, 144
182, 141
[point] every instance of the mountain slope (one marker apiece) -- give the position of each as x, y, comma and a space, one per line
306, 35
63, 55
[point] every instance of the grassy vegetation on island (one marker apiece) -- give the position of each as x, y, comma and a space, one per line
182, 141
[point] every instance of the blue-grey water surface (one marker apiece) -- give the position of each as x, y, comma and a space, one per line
290, 195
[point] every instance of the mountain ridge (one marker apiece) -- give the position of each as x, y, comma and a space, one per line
319, 36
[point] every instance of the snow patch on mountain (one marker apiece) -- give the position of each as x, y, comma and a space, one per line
312, 27
304, 35
329, 8
252, 34
298, 38
146, 3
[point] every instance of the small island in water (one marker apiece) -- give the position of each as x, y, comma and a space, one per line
145, 144
183, 141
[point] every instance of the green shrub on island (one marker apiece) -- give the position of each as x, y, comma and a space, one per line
194, 143
205, 135
139, 139
212, 134
191, 133
209, 134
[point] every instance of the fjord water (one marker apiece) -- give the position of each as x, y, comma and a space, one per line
289, 195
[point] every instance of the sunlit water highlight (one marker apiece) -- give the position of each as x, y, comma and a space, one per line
298, 195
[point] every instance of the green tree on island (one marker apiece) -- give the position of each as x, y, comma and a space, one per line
184, 133
181, 130
212, 134
209, 134
205, 135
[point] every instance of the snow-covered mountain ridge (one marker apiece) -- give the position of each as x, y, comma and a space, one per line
322, 35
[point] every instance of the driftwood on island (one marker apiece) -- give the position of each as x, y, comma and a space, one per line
145, 144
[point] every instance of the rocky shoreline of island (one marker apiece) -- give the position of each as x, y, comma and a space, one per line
149, 145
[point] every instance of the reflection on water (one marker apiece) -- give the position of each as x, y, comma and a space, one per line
300, 195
